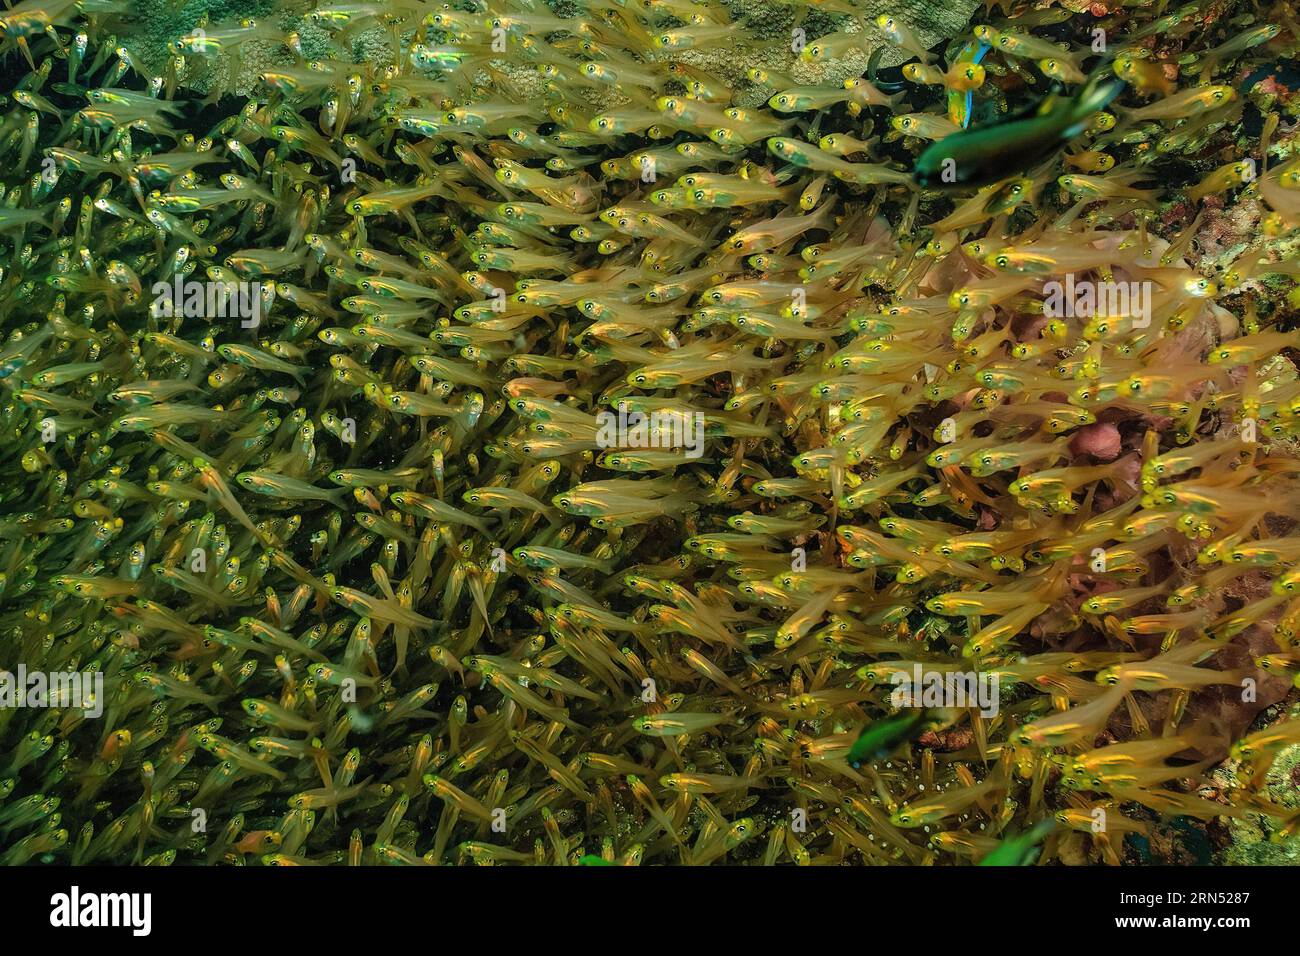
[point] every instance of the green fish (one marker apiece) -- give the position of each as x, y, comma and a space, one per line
878, 740
1019, 850
989, 154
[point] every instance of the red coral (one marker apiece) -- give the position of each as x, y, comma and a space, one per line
1101, 441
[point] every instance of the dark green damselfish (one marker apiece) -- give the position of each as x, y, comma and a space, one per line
1019, 850
990, 154
882, 738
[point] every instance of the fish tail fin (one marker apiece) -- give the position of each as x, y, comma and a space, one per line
1095, 96
1053, 581
1209, 735
1121, 471
1039, 831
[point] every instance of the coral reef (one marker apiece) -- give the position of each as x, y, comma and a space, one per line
649, 432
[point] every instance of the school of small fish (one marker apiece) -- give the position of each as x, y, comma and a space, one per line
367, 583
